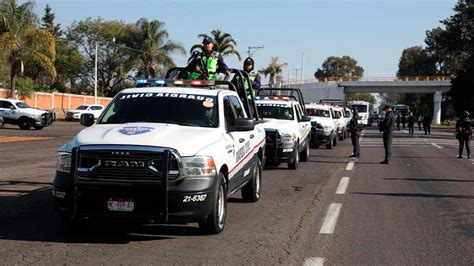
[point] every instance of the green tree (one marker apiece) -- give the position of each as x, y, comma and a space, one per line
273, 71
153, 48
334, 66
360, 96
415, 61
48, 22
114, 60
22, 41
223, 43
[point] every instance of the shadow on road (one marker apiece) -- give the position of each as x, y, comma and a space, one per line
416, 195
29, 216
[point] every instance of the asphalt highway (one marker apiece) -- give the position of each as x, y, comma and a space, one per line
331, 210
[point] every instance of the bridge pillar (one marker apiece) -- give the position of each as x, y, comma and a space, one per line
437, 98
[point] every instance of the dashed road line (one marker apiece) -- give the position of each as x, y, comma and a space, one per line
314, 261
436, 145
350, 165
330, 221
341, 189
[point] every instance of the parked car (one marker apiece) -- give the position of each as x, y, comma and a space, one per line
75, 114
323, 126
19, 113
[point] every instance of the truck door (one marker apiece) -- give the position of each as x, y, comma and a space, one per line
241, 139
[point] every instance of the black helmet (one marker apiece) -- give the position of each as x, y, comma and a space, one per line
249, 61
207, 40
465, 114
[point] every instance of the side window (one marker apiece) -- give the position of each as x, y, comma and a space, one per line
239, 111
2, 103
8, 105
96, 108
228, 112
332, 113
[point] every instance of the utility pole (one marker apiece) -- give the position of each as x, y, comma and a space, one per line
95, 76
249, 51
302, 66
296, 74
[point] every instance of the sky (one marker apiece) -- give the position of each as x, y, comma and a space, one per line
374, 32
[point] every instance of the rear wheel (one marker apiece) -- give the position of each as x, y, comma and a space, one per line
294, 164
215, 222
24, 123
305, 153
251, 191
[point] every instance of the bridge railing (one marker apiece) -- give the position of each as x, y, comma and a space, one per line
363, 79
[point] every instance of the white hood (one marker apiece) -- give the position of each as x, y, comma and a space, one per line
284, 126
186, 142
32, 111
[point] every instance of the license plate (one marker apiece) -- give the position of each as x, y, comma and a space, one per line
120, 205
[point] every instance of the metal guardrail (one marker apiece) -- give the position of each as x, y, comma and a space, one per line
380, 79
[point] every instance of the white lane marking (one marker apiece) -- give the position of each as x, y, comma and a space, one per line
436, 145
330, 221
314, 261
341, 189
350, 166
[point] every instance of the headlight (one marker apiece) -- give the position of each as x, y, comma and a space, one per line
63, 162
285, 137
198, 166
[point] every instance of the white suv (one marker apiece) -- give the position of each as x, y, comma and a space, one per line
170, 153
287, 128
75, 114
323, 126
340, 121
19, 113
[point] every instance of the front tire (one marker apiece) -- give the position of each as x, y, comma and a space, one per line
215, 222
24, 123
294, 164
305, 153
251, 191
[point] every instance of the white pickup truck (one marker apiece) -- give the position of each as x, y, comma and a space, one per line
323, 125
287, 128
19, 113
170, 153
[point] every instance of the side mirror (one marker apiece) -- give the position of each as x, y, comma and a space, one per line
305, 118
87, 120
242, 124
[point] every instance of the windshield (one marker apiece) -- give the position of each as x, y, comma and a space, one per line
317, 112
172, 108
82, 107
22, 105
360, 108
277, 111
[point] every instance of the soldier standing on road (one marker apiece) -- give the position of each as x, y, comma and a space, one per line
399, 119
420, 119
355, 129
427, 124
388, 128
464, 133
411, 123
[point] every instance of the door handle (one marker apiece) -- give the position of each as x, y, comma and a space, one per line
252, 136
241, 140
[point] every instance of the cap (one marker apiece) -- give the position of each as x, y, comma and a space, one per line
207, 40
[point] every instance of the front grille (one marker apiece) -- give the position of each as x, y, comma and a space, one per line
130, 165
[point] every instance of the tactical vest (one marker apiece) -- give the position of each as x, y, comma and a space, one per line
252, 77
209, 63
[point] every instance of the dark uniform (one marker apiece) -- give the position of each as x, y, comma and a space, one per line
427, 124
388, 128
411, 123
464, 134
205, 64
355, 128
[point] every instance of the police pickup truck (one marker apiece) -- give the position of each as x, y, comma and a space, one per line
168, 151
19, 113
286, 125
323, 126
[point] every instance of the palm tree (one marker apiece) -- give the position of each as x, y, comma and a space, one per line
152, 37
21, 41
273, 70
223, 43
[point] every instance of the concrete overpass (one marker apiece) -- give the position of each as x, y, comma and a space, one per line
337, 87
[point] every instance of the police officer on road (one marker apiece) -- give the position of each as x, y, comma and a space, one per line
207, 63
355, 129
464, 133
388, 128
